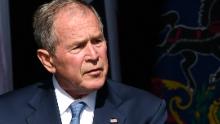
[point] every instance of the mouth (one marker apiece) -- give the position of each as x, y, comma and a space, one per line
94, 72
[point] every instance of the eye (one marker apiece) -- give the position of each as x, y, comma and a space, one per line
98, 41
78, 47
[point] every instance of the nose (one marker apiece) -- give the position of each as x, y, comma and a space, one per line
92, 54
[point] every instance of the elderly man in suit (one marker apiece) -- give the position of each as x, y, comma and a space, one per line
73, 48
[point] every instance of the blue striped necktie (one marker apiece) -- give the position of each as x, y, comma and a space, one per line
76, 109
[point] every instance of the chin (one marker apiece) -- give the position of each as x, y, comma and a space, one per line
94, 84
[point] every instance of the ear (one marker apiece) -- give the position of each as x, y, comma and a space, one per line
46, 60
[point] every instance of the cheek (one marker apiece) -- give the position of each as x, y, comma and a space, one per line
103, 51
77, 63
104, 54
70, 63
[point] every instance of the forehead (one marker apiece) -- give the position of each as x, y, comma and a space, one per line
73, 21
74, 12
72, 9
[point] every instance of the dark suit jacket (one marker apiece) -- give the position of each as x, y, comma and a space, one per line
36, 104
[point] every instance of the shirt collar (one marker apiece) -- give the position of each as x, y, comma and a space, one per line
64, 99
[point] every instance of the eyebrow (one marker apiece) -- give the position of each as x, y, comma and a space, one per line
100, 35
97, 37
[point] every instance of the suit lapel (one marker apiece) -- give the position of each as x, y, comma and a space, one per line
44, 106
107, 104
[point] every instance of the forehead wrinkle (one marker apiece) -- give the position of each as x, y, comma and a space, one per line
70, 11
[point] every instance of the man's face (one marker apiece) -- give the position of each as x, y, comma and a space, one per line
80, 59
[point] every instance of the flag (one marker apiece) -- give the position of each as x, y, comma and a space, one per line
5, 49
187, 72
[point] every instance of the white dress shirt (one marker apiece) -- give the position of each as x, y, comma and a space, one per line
64, 100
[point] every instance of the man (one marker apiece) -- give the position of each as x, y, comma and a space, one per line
72, 47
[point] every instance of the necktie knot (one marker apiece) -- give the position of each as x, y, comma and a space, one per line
76, 109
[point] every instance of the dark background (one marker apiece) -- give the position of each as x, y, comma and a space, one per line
138, 28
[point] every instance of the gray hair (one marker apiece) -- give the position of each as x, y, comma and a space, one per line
44, 17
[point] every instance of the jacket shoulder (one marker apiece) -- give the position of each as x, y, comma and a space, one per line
128, 92
137, 97
139, 105
20, 96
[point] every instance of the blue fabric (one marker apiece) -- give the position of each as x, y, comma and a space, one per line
76, 109
37, 104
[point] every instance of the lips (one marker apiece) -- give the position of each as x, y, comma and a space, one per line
95, 71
